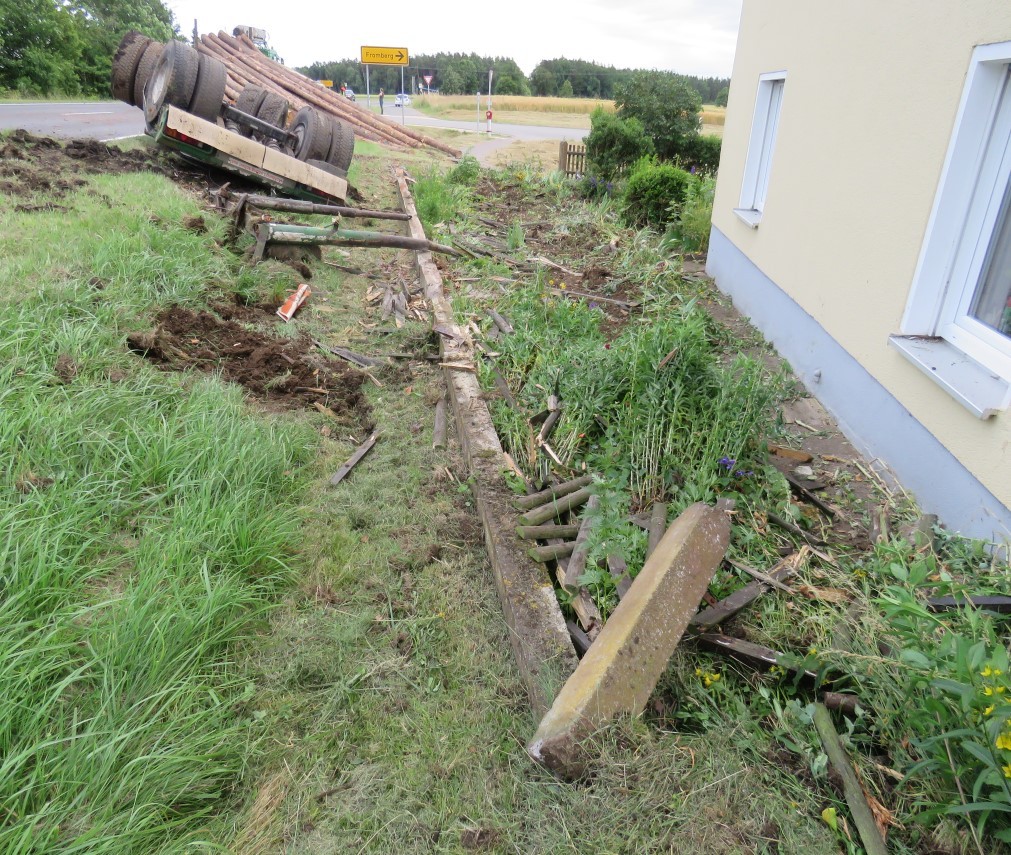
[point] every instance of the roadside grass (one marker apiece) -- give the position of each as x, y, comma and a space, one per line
150, 522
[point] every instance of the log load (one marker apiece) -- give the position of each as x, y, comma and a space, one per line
247, 66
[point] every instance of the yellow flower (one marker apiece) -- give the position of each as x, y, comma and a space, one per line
987, 690
551, 282
997, 672
698, 672
1004, 742
986, 672
1006, 770
562, 285
715, 677
1000, 690
988, 710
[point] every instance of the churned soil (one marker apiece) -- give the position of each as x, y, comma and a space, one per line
284, 373
32, 164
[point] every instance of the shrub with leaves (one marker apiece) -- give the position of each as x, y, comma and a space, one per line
693, 218
701, 152
614, 144
654, 193
466, 172
666, 104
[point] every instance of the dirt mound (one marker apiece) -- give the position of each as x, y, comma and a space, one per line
31, 164
282, 372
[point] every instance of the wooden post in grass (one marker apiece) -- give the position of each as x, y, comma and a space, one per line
535, 500
863, 817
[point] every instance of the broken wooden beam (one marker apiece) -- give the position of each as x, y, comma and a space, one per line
657, 526
552, 552
802, 492
350, 356
754, 655
759, 576
501, 322
353, 460
580, 639
535, 500
860, 810
577, 561
743, 597
620, 670
440, 428
298, 206
618, 569
546, 532
775, 519
1000, 605
556, 507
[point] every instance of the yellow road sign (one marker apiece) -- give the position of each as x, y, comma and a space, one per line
384, 56
327, 83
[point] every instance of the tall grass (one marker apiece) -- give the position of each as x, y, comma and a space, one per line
145, 533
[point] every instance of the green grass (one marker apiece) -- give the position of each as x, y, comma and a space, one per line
144, 538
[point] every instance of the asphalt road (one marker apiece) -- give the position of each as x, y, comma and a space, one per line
108, 120
102, 120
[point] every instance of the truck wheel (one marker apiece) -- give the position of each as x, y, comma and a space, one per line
342, 145
273, 109
124, 65
172, 81
148, 61
210, 89
312, 135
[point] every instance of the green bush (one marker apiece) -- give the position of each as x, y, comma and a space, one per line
692, 220
466, 172
614, 144
722, 96
654, 193
702, 151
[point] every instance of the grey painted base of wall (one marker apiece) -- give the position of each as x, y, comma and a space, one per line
867, 413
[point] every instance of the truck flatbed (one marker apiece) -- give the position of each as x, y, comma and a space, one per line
210, 143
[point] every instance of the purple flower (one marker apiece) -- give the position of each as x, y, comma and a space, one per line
593, 305
740, 473
692, 170
727, 463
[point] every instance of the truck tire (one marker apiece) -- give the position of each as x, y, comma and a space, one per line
148, 61
342, 145
172, 81
312, 134
273, 109
210, 89
124, 65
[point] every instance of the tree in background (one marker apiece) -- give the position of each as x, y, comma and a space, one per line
722, 96
666, 104
40, 48
49, 46
565, 90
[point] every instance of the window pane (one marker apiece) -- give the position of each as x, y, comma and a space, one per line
991, 303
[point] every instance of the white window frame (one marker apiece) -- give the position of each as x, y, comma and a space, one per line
761, 146
974, 179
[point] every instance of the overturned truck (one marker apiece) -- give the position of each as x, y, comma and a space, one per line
304, 154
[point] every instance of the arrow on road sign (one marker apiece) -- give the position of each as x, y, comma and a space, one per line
384, 55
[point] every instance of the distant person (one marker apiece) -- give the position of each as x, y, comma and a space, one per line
381, 93
344, 89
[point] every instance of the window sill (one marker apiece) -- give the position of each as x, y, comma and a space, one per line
749, 216
976, 388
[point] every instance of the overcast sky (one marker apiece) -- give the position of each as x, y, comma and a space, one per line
687, 36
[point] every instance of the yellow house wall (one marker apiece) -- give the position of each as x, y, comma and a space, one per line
869, 105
